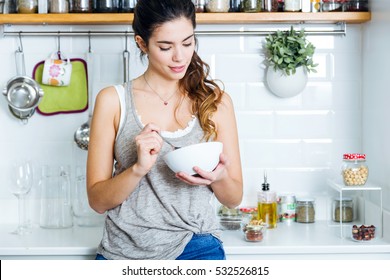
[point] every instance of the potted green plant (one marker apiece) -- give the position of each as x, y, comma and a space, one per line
289, 56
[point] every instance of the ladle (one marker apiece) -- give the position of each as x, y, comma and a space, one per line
126, 61
81, 136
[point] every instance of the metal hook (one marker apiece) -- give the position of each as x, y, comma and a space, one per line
59, 45
20, 48
89, 42
126, 39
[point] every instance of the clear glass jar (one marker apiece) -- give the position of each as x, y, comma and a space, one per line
127, 6
200, 5
357, 6
27, 6
333, 5
305, 210
271, 5
342, 209
59, 6
292, 5
218, 6
251, 6
286, 208
105, 6
80, 6
280, 7
354, 169
248, 213
235, 6
254, 233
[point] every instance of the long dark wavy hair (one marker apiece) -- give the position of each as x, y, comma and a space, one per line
204, 93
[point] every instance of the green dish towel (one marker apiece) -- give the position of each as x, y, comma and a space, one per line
68, 99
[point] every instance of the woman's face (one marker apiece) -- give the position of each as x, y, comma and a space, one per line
171, 47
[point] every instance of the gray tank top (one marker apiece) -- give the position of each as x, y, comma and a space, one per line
159, 218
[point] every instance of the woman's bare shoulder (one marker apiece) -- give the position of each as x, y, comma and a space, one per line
107, 102
226, 105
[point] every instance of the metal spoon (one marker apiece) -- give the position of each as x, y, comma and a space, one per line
168, 142
81, 136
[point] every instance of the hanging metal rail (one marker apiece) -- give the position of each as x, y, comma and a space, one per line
341, 31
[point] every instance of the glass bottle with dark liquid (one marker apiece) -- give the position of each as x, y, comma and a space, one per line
267, 205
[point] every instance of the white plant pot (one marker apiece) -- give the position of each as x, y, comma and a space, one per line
283, 85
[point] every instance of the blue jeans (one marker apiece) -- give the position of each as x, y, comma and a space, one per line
100, 257
200, 247
203, 247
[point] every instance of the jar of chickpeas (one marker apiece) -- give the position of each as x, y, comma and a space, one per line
354, 169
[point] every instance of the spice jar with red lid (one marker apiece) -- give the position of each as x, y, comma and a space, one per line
354, 169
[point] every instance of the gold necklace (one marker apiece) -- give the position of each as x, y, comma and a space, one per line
159, 96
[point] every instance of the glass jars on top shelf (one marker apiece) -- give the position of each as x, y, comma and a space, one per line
58, 6
218, 6
292, 5
27, 6
251, 6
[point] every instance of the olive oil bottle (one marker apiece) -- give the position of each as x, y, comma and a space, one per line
267, 205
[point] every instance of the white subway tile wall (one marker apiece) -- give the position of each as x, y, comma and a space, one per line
298, 140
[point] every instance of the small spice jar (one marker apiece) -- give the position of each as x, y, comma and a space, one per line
27, 6
305, 210
357, 6
286, 208
342, 209
59, 6
218, 6
126, 6
235, 6
105, 6
354, 169
251, 6
254, 233
200, 5
80, 6
292, 5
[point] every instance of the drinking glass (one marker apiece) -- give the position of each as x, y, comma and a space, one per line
21, 181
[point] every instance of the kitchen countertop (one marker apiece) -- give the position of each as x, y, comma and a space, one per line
302, 241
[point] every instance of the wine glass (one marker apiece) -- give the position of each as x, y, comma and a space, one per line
21, 181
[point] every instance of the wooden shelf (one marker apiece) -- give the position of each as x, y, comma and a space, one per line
202, 18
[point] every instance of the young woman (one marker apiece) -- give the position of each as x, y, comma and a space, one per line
153, 213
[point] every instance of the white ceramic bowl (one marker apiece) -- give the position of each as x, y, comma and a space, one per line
205, 155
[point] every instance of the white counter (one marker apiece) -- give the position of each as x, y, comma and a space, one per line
295, 241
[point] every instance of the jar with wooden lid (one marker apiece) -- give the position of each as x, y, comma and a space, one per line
305, 210
342, 209
354, 169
